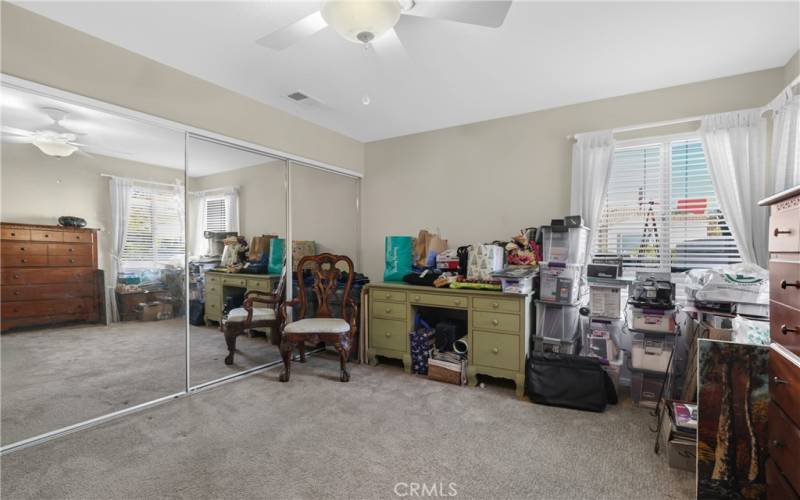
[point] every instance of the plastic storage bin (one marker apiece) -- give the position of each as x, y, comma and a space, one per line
559, 283
522, 286
557, 322
563, 244
560, 346
602, 338
649, 352
605, 301
652, 320
614, 369
646, 389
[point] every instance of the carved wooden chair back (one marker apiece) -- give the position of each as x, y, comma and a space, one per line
326, 271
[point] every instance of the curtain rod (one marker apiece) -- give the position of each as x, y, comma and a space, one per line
222, 188
141, 180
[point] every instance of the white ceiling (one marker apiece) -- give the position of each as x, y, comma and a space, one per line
546, 54
111, 135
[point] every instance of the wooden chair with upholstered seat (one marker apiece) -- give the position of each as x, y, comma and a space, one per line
260, 310
324, 326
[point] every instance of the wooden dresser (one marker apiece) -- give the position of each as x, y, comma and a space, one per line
783, 465
49, 276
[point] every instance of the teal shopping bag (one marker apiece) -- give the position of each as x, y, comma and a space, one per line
277, 250
399, 251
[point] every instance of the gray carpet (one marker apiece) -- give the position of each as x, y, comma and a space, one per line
316, 437
57, 377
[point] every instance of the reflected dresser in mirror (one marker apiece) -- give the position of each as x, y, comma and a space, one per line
49, 276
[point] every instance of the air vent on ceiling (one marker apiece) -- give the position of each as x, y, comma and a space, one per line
298, 96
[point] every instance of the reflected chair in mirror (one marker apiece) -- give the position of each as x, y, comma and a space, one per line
260, 310
324, 326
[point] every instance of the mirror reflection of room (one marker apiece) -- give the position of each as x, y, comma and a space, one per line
93, 290
237, 231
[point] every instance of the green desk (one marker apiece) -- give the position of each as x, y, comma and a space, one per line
498, 326
217, 281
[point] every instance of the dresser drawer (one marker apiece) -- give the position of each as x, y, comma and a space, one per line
389, 310
46, 276
784, 445
496, 350
784, 384
78, 237
503, 322
15, 233
24, 260
45, 308
388, 334
235, 282
784, 231
785, 326
46, 292
213, 310
784, 282
388, 295
436, 299
23, 248
213, 289
69, 249
500, 305
777, 486
69, 260
44, 235
260, 285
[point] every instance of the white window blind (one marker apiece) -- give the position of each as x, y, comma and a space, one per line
217, 214
154, 234
661, 211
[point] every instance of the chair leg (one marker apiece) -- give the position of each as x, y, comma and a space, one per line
286, 354
344, 376
301, 346
231, 332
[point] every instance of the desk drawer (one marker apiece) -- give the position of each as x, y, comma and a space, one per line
262, 285
69, 249
389, 310
24, 248
784, 445
784, 282
47, 292
497, 350
784, 384
784, 230
499, 305
235, 282
213, 278
44, 235
496, 321
24, 260
388, 295
78, 237
436, 299
15, 233
69, 260
388, 334
213, 310
785, 326
213, 289
777, 486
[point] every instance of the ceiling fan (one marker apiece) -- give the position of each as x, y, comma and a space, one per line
54, 140
362, 21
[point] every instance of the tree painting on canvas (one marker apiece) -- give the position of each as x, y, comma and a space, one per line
733, 397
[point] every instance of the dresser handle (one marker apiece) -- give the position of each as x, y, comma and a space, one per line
388, 334
24, 261
777, 444
785, 329
70, 250
16, 276
416, 298
388, 296
46, 235
16, 292
457, 302
22, 249
778, 232
71, 261
778, 380
388, 310
495, 350
495, 322
785, 283
13, 234
495, 305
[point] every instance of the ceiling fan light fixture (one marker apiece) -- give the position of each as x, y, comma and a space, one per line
361, 21
54, 147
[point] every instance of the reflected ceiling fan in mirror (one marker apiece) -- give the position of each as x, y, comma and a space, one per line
54, 140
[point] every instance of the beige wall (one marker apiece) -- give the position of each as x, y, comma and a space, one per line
792, 69
38, 189
486, 181
38, 49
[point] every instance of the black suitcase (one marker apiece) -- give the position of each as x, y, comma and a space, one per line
569, 381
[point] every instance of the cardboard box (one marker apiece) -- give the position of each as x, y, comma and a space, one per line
153, 311
300, 249
718, 333
445, 371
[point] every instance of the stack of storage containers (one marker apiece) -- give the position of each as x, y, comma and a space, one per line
652, 343
560, 276
603, 337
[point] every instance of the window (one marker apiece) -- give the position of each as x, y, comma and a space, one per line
661, 211
154, 232
217, 214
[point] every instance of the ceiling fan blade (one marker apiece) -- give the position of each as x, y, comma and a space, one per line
99, 149
489, 13
289, 35
17, 131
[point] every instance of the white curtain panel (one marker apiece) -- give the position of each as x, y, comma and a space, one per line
120, 206
592, 157
198, 204
786, 140
232, 205
736, 153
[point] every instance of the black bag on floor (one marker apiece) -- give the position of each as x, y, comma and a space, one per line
569, 381
197, 312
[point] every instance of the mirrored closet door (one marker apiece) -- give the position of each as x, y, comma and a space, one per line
93, 252
237, 222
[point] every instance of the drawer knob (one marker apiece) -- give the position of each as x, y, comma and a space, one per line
777, 444
22, 249
778, 380
457, 302
388, 295
495, 305
16, 292
70, 249
495, 350
71, 261
46, 235
24, 260
388, 334
786, 330
778, 232
16, 276
495, 322
13, 234
388, 310
416, 298
785, 284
